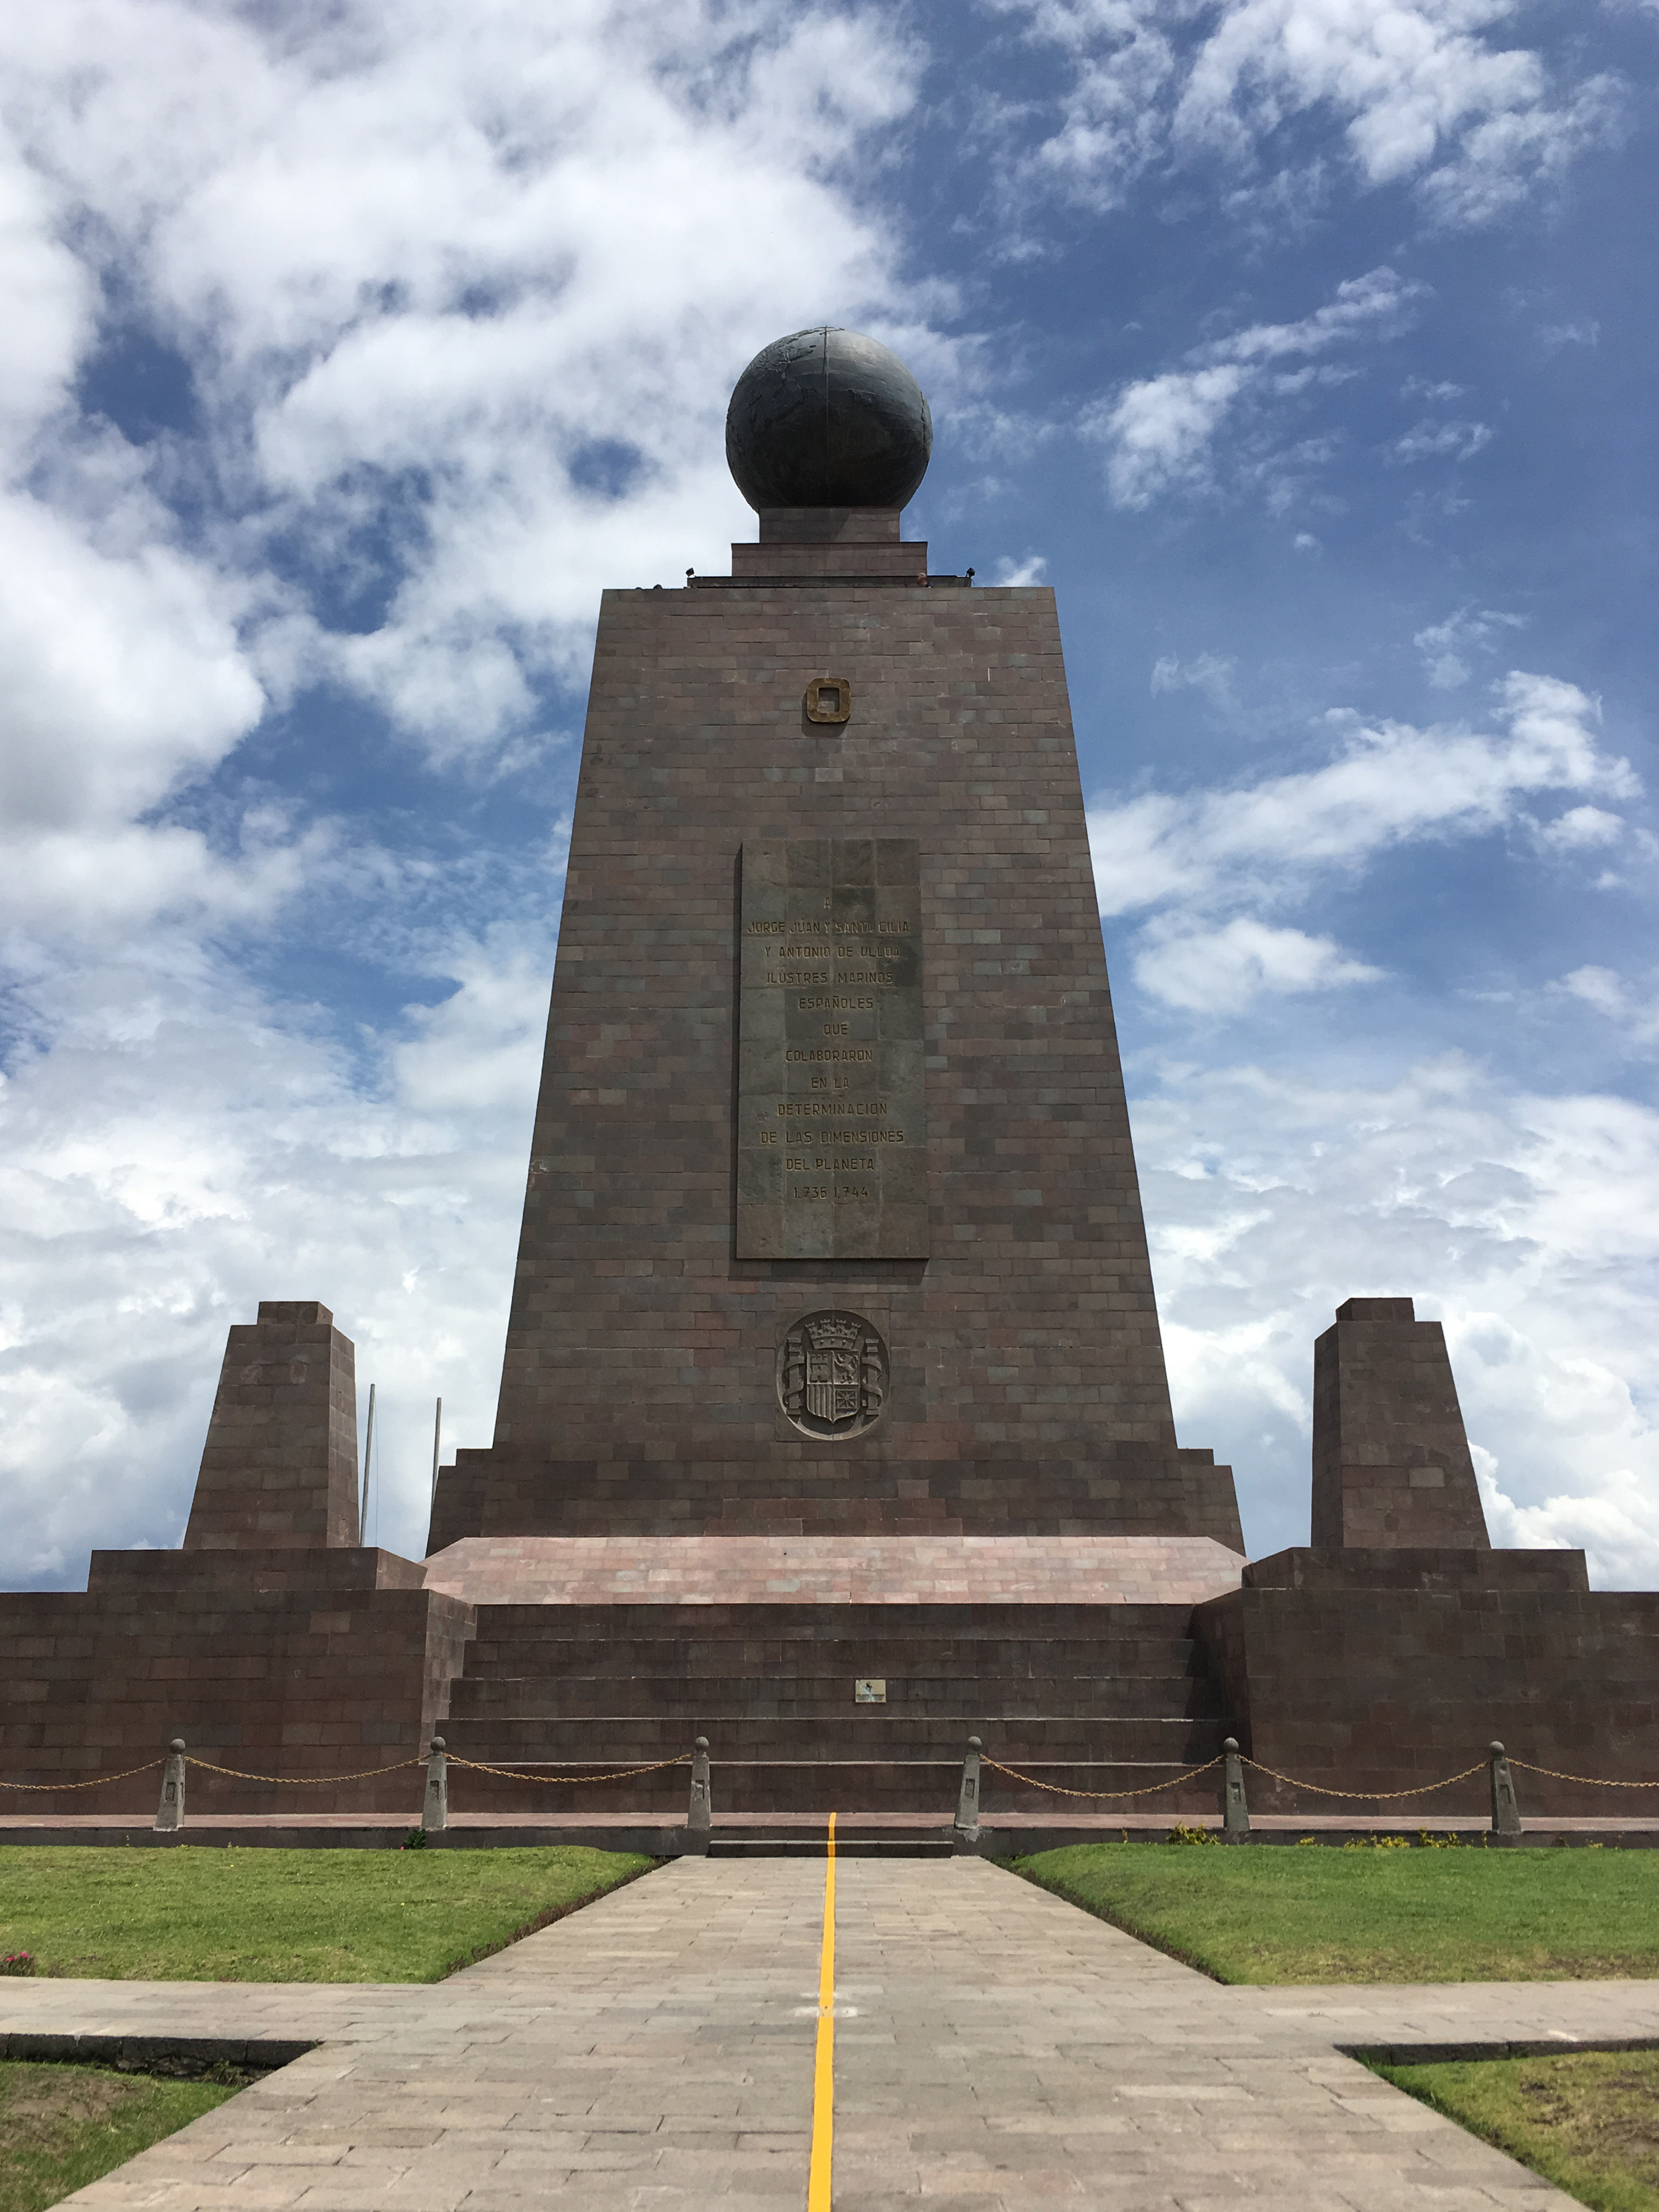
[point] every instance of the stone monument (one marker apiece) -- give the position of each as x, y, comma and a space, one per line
832, 1221
833, 1422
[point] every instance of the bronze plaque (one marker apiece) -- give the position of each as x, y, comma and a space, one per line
832, 1115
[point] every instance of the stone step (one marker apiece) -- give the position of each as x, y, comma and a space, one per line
782, 1846
809, 1697
1032, 1622
866, 1732
700, 1655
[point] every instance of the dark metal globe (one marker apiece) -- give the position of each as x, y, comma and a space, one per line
828, 417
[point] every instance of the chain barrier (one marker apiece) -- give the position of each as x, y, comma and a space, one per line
1030, 1780
1378, 1796
622, 1773
97, 1778
1372, 1796
296, 1780
1592, 1781
1112, 1796
363, 1774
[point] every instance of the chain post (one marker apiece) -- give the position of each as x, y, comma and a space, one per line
170, 1812
966, 1827
700, 1814
1505, 1813
1235, 1808
435, 1812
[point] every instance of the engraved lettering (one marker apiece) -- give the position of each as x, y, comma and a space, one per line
831, 1108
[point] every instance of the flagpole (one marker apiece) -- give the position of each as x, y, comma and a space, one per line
369, 1467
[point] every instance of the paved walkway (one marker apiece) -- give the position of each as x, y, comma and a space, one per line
995, 2048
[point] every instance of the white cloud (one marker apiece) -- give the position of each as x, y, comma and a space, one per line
1428, 440
1376, 304
1613, 1524
1032, 570
1598, 987
121, 666
1581, 829
1389, 784
1209, 672
121, 672
1529, 1224
47, 304
1420, 91
456, 299
186, 1149
1632, 1004
418, 263
1158, 433
1222, 971
1445, 645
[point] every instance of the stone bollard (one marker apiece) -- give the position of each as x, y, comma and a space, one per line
965, 1828
170, 1812
1234, 1811
435, 1814
700, 1814
1505, 1813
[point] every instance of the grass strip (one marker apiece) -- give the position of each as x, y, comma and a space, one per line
63, 2126
196, 1914
1269, 1914
1588, 2120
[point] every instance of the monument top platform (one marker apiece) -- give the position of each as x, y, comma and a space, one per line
834, 1569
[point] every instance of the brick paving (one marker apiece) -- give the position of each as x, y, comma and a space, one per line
996, 2050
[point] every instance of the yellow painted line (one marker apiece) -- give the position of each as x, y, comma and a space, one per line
823, 2070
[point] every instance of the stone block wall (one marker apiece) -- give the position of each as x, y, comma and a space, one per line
283, 1663
1384, 1669
280, 1463
1027, 1386
1391, 1463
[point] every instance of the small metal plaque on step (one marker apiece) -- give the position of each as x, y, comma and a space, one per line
870, 1690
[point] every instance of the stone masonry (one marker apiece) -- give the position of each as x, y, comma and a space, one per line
833, 1423
280, 1464
1391, 1464
1027, 1387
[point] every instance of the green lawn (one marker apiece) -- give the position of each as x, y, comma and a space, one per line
1588, 2121
199, 1915
1277, 1913
63, 2126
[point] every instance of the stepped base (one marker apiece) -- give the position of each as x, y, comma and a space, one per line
834, 1569
777, 1846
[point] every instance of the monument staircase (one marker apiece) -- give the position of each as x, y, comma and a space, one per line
1102, 1699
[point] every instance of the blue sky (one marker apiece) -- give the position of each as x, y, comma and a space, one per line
1304, 346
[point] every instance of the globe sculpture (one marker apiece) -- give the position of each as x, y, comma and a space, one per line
828, 417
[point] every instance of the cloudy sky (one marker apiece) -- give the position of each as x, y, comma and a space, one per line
347, 350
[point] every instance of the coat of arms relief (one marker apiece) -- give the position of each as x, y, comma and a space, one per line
832, 1375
